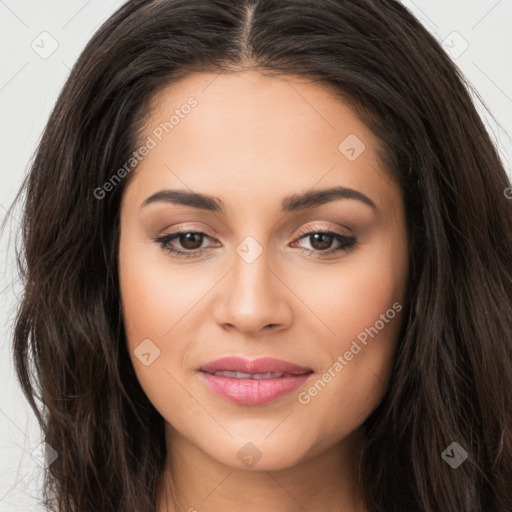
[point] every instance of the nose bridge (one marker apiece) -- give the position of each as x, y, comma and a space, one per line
253, 297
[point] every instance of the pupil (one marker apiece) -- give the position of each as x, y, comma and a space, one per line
187, 240
325, 241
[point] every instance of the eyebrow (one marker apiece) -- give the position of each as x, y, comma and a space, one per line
295, 202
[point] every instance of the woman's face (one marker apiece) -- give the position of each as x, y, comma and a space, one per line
266, 283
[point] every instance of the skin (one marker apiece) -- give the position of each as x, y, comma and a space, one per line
252, 141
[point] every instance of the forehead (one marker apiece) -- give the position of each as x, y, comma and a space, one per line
246, 134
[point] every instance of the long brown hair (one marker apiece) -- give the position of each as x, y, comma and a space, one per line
452, 377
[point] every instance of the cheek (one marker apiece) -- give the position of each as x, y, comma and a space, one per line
155, 294
151, 307
146, 303
352, 296
360, 313
149, 303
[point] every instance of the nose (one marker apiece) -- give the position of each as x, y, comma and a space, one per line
253, 298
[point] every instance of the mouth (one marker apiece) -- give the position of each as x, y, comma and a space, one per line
255, 376
253, 382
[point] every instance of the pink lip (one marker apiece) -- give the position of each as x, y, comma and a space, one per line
252, 391
263, 365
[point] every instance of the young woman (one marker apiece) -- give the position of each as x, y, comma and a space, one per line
267, 267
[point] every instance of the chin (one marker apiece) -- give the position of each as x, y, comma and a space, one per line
258, 453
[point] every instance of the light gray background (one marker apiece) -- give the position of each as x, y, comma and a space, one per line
476, 33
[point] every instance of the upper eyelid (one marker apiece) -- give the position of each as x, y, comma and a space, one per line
312, 229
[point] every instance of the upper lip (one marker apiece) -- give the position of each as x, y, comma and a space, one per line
263, 365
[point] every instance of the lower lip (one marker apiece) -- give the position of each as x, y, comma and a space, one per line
253, 391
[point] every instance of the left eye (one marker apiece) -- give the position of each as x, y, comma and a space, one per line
191, 242
321, 241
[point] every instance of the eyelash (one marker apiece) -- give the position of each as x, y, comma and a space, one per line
347, 243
